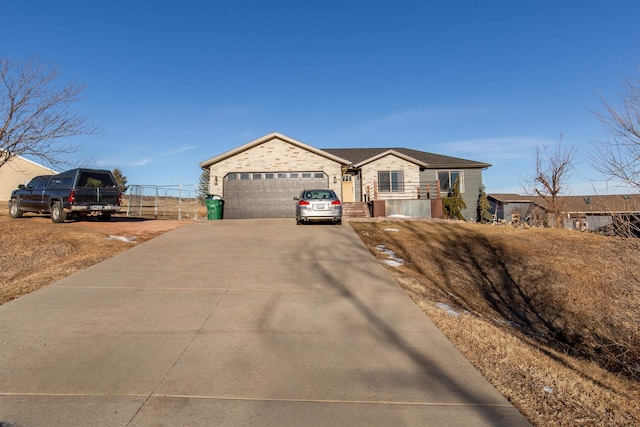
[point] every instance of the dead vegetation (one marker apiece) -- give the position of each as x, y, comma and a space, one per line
550, 317
34, 252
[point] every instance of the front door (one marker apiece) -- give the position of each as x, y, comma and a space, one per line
348, 194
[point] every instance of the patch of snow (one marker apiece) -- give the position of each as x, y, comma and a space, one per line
391, 229
399, 216
122, 238
392, 260
547, 389
506, 322
448, 309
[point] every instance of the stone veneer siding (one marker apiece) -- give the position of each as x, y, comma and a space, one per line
275, 155
393, 163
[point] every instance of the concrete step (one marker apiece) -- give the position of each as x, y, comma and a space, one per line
355, 210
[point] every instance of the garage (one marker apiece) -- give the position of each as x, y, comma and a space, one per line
260, 178
267, 194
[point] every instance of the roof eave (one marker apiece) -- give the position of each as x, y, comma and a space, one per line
263, 139
17, 156
459, 166
393, 153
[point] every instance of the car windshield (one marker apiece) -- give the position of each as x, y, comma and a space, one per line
319, 194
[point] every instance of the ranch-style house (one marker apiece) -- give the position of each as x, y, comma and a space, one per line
260, 178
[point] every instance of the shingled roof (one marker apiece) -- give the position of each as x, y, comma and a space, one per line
623, 203
511, 198
595, 204
358, 155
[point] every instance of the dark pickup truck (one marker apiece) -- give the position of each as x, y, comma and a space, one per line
74, 193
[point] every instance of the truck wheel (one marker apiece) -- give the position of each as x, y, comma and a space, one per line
58, 215
14, 209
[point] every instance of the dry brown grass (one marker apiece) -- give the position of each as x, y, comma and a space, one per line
34, 252
163, 207
550, 317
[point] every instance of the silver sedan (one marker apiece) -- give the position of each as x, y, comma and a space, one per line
318, 205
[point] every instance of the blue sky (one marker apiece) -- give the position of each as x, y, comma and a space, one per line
173, 83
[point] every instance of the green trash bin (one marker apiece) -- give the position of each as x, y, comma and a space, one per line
214, 206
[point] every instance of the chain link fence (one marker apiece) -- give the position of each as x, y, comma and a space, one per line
163, 202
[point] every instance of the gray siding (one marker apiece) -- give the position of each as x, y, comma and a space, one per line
473, 182
470, 191
505, 211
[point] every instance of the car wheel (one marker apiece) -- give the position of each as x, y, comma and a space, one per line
58, 215
14, 209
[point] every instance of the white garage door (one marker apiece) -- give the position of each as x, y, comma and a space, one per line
267, 194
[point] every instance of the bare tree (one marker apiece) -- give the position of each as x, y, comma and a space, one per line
553, 170
35, 112
618, 156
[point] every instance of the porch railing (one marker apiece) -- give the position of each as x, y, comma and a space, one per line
412, 191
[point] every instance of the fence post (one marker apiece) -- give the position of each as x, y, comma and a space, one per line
129, 200
148, 200
140, 189
155, 205
180, 202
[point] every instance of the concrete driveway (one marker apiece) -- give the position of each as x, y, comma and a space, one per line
236, 322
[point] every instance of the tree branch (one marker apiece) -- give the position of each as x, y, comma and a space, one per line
35, 113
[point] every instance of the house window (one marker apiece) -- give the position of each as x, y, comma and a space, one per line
306, 175
268, 176
318, 175
282, 176
245, 176
448, 178
390, 181
257, 176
